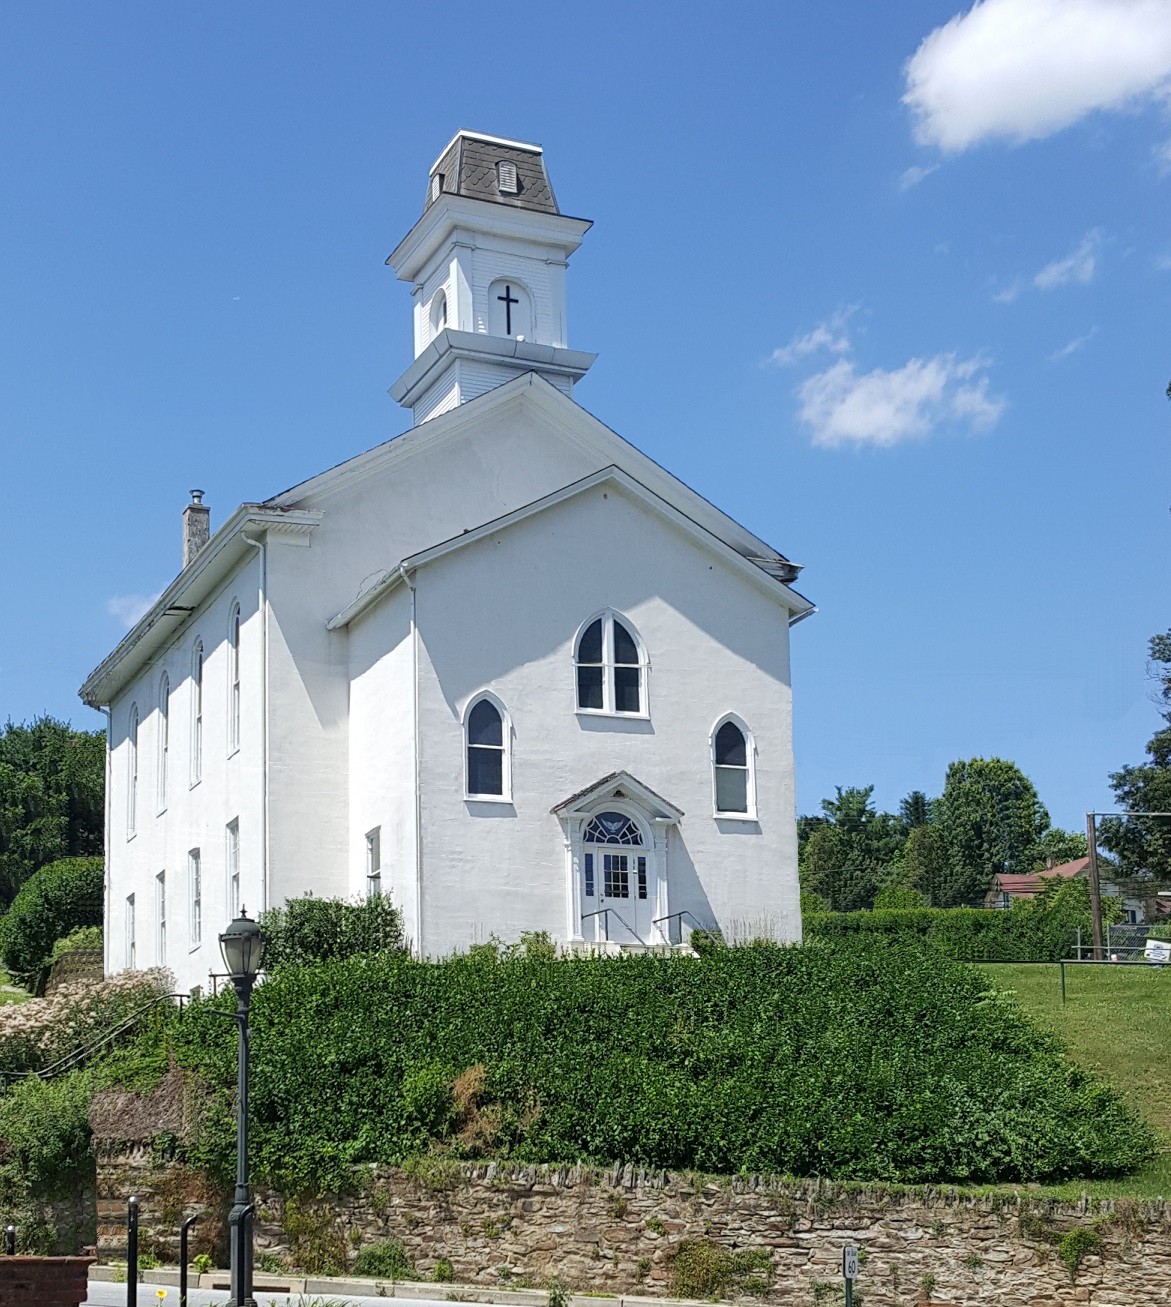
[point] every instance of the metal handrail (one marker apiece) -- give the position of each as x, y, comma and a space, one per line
77, 1056
671, 916
605, 912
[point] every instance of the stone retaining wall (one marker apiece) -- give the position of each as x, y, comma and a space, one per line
620, 1232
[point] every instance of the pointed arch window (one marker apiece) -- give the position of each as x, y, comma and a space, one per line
164, 741
733, 771
611, 668
234, 679
132, 773
488, 750
197, 713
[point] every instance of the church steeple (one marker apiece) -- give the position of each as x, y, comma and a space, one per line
487, 262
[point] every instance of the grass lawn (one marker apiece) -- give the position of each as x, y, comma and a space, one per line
10, 993
1117, 1023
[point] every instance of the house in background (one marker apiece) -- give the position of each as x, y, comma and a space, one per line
503, 667
1007, 890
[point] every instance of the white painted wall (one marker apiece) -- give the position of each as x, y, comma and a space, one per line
502, 614
194, 815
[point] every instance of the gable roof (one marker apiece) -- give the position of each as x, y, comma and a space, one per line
577, 425
797, 605
1030, 885
607, 788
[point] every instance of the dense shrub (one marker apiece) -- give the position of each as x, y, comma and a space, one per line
36, 1034
44, 1156
384, 1261
865, 1059
84, 937
52, 902
965, 934
328, 930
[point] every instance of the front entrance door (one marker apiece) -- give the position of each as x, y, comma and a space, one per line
617, 879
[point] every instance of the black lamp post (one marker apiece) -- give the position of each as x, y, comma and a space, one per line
242, 945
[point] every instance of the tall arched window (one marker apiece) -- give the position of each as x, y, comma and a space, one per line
611, 668
732, 769
197, 713
487, 749
132, 772
164, 740
234, 679
438, 313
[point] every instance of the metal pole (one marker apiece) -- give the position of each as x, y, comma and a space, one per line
1095, 887
187, 1224
240, 1219
132, 1252
10, 1241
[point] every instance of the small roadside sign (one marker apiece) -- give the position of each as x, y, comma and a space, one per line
850, 1262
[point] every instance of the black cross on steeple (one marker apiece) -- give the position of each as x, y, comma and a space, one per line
508, 300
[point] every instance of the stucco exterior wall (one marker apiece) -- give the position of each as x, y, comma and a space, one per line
195, 813
503, 614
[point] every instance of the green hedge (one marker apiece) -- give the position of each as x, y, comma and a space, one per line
309, 929
53, 902
869, 1060
965, 934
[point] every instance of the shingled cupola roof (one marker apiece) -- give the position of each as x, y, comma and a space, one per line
491, 168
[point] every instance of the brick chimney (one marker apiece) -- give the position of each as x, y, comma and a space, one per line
196, 526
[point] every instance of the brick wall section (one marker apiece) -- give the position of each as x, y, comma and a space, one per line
616, 1232
43, 1281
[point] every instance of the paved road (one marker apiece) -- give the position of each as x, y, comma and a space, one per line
114, 1295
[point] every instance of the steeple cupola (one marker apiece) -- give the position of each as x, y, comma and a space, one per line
487, 264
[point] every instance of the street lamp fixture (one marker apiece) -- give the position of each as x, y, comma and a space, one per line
242, 945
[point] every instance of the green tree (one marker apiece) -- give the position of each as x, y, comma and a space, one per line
848, 855
52, 903
990, 820
1057, 846
1143, 844
52, 798
924, 864
915, 810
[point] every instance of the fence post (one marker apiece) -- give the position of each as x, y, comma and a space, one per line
187, 1224
10, 1241
132, 1252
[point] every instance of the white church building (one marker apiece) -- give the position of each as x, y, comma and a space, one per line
504, 667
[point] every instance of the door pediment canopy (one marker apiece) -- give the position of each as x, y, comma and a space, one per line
619, 784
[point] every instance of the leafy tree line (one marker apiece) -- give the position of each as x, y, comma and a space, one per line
940, 852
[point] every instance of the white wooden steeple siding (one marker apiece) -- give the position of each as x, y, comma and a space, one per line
389, 677
487, 264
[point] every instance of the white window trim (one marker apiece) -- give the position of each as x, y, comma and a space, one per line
506, 738
373, 861
750, 759
164, 744
194, 900
130, 943
132, 729
232, 860
609, 616
198, 672
234, 695
161, 918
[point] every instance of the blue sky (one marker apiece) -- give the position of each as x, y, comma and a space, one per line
889, 284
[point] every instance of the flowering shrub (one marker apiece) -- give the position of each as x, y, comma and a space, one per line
36, 1034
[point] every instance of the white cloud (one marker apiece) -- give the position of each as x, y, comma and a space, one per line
1074, 345
1023, 69
1163, 262
913, 176
830, 335
1078, 266
842, 406
1162, 153
128, 609
1008, 294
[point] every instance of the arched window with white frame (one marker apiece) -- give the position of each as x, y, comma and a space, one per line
234, 678
132, 772
197, 713
487, 749
164, 742
733, 769
611, 667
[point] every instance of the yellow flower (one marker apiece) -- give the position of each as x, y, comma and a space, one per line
160, 1294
